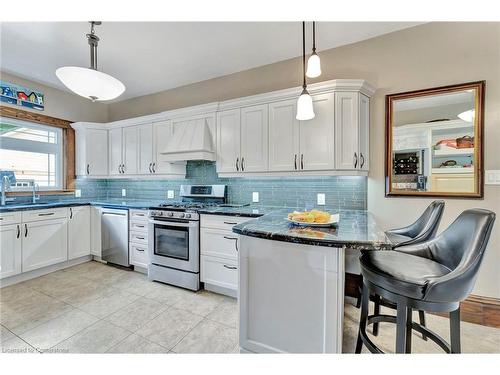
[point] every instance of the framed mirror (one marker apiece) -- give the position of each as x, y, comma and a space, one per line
434, 142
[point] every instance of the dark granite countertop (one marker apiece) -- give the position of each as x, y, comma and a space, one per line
112, 203
356, 229
245, 211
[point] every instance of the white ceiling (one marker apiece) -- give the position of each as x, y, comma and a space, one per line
153, 56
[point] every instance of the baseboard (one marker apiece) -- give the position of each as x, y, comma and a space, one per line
475, 309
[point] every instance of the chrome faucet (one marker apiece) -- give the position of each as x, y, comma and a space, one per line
35, 196
5, 188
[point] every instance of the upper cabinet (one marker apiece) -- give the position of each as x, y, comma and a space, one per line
252, 136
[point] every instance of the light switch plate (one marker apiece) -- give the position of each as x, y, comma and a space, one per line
321, 199
78, 193
124, 192
492, 177
255, 197
170, 194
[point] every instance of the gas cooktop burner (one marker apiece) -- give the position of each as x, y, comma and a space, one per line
186, 205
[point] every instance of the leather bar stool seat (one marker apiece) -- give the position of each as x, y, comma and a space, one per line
400, 272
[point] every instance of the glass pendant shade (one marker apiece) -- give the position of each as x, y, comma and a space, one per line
305, 109
467, 116
313, 66
90, 83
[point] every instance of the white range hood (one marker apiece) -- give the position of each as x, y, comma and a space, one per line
191, 140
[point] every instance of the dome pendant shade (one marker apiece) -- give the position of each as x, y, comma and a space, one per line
313, 66
90, 83
305, 109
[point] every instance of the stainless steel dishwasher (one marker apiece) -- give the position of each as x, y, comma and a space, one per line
114, 236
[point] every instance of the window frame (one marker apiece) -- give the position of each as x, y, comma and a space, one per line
68, 147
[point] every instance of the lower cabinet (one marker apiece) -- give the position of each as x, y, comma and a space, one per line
95, 231
78, 232
45, 243
138, 238
10, 250
220, 272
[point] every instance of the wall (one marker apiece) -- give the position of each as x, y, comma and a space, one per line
61, 104
425, 56
342, 192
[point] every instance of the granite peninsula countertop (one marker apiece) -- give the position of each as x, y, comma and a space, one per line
356, 229
251, 211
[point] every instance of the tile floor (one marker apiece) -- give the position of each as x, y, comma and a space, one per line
94, 308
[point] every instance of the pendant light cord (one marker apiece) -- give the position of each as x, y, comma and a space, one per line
314, 37
304, 54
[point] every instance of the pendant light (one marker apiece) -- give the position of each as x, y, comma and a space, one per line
304, 104
89, 82
314, 63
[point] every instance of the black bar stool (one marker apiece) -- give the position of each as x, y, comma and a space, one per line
432, 276
423, 229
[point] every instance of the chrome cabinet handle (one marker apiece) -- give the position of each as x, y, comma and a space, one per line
25, 230
88, 168
362, 160
295, 162
235, 241
150, 166
154, 167
301, 161
355, 160
46, 214
242, 164
230, 267
139, 249
237, 166
139, 238
123, 168
229, 223
18, 231
71, 213
139, 226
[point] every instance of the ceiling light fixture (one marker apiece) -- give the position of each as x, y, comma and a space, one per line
89, 82
467, 116
305, 109
314, 63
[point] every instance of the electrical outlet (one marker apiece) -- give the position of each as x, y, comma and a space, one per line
170, 194
255, 197
78, 193
124, 192
321, 199
492, 177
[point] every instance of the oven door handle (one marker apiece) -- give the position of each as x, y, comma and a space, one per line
189, 224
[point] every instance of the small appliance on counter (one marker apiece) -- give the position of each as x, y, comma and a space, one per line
174, 235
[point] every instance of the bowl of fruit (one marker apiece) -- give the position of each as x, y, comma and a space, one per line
313, 218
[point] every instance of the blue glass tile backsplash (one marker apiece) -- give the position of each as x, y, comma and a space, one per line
342, 192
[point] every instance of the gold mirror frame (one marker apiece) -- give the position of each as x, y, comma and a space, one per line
479, 86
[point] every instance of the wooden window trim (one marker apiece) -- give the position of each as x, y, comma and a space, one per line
69, 176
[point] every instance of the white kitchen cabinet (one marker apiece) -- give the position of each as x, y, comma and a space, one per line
254, 141
115, 151
91, 151
44, 243
352, 131
228, 141
130, 150
78, 232
317, 136
283, 136
138, 238
10, 250
145, 152
162, 131
95, 231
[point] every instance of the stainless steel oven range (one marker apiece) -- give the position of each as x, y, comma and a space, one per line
174, 236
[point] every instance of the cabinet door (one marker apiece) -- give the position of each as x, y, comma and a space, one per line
254, 139
347, 130
95, 231
283, 136
10, 250
364, 132
145, 134
162, 131
317, 136
115, 151
130, 150
78, 232
96, 152
44, 243
228, 141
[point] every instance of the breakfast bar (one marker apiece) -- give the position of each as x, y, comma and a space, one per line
291, 280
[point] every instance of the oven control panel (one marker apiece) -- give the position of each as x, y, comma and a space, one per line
165, 215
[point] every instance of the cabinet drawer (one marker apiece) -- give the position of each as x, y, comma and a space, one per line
219, 243
222, 222
7, 218
139, 226
53, 213
138, 215
139, 237
139, 255
219, 272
